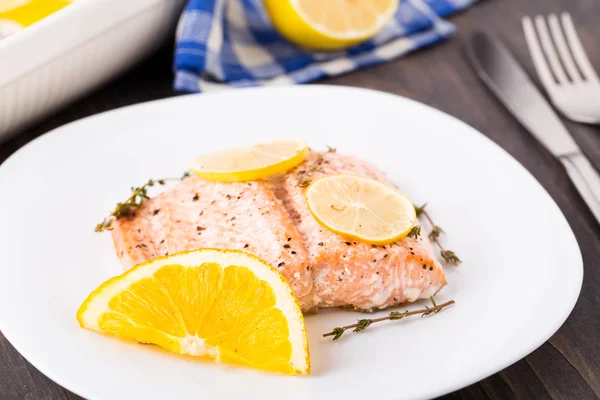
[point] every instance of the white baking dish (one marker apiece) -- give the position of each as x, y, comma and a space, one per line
69, 53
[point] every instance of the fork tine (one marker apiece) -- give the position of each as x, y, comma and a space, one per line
563, 50
577, 48
549, 49
536, 54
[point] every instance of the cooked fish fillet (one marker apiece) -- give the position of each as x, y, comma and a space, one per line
350, 273
196, 213
271, 220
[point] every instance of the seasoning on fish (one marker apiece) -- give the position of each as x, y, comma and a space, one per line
262, 217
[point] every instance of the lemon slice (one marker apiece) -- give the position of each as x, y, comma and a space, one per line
330, 24
361, 208
250, 163
225, 304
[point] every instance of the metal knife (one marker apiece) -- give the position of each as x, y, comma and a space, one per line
496, 66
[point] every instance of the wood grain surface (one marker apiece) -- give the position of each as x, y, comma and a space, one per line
565, 367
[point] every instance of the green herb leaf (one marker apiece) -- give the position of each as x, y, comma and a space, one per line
395, 315
435, 233
362, 325
415, 232
133, 202
338, 332
420, 210
450, 257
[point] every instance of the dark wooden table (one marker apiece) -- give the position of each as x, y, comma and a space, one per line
568, 365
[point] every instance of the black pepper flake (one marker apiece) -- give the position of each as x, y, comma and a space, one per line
167, 253
374, 260
201, 212
162, 241
424, 266
308, 268
410, 248
213, 202
239, 197
156, 211
286, 246
228, 197
232, 218
412, 252
246, 245
320, 243
339, 279
280, 264
431, 268
139, 231
348, 243
354, 242
196, 197
377, 272
293, 252
249, 183
385, 255
289, 239
200, 228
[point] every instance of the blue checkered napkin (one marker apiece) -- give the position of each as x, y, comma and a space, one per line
232, 43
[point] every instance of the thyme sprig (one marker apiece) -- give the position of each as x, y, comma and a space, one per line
133, 202
448, 255
363, 324
304, 174
415, 232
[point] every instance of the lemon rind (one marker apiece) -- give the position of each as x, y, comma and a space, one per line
350, 235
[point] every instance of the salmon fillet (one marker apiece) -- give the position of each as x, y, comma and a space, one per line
271, 220
197, 213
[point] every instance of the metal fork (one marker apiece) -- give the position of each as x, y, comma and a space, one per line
563, 67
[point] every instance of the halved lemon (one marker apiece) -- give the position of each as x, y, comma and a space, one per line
225, 304
330, 24
361, 208
250, 163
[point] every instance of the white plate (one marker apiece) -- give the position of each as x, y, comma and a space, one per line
521, 275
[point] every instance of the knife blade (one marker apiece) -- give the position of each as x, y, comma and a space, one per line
501, 72
496, 66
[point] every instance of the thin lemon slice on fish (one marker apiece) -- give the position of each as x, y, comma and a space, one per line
224, 304
250, 163
361, 208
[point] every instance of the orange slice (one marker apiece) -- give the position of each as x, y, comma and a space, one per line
224, 304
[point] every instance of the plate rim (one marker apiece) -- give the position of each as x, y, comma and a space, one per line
441, 390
